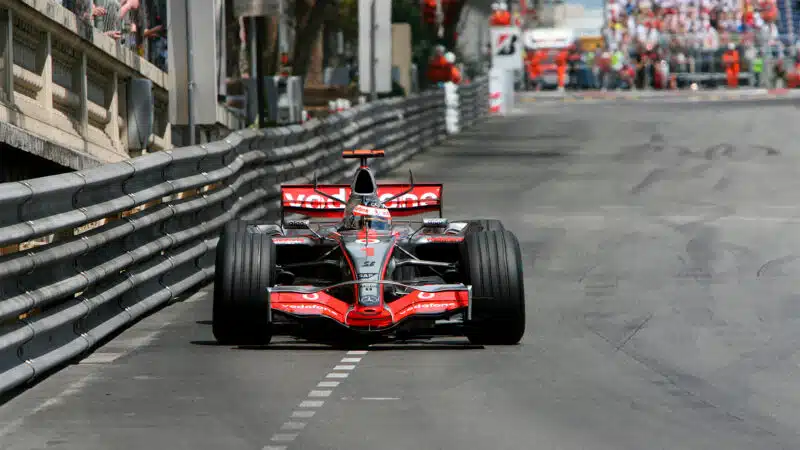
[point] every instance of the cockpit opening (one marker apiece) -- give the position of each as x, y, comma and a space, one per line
364, 183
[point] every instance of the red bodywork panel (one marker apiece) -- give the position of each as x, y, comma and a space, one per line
415, 303
301, 199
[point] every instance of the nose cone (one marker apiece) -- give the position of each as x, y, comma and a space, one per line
368, 317
369, 252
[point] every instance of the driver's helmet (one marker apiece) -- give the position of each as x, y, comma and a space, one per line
368, 215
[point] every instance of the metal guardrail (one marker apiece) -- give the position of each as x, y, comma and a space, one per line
161, 215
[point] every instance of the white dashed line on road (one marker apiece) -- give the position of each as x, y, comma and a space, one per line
285, 437
312, 403
320, 393
307, 408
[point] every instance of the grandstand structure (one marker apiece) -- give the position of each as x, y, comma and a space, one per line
789, 19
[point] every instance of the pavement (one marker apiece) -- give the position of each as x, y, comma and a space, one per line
661, 250
712, 95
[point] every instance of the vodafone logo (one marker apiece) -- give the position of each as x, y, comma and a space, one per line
426, 295
316, 307
411, 200
368, 241
300, 308
431, 306
313, 296
312, 200
305, 198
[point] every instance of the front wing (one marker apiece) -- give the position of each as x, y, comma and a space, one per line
433, 302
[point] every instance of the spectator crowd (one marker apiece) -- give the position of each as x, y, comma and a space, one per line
137, 24
646, 40
688, 24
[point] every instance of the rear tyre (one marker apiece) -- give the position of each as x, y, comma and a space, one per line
236, 226
487, 225
491, 262
245, 268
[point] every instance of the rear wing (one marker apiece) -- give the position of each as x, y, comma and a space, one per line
302, 199
368, 153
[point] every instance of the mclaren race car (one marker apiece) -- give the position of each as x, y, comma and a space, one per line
360, 272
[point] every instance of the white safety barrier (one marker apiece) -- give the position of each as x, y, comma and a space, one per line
339, 105
465, 104
501, 91
451, 100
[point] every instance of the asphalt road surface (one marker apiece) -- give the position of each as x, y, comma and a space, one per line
661, 247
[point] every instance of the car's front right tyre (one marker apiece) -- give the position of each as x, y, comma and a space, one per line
491, 261
245, 268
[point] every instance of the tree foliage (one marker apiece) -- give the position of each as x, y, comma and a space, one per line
309, 16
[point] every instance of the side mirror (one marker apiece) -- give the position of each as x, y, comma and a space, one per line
298, 224
434, 223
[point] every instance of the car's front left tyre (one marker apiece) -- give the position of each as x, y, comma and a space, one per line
245, 268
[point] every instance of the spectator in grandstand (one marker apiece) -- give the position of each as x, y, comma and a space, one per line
683, 34
138, 25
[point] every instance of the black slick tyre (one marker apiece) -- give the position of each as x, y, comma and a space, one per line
245, 268
487, 225
491, 262
236, 226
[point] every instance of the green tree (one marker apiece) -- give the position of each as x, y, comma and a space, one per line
309, 16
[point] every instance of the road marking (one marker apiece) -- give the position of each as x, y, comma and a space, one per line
312, 403
307, 408
320, 393
285, 437
72, 389
198, 296
122, 346
101, 358
380, 398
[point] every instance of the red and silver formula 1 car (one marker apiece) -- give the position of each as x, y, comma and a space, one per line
366, 275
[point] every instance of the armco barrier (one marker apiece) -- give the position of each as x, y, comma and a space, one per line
457, 117
161, 216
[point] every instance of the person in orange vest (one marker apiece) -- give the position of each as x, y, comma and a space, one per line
438, 67
500, 16
455, 74
442, 69
731, 61
561, 68
769, 11
534, 66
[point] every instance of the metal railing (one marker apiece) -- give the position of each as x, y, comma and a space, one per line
159, 217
